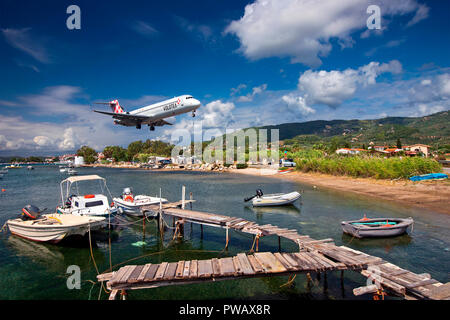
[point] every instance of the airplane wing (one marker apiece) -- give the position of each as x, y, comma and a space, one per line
161, 122
123, 116
131, 119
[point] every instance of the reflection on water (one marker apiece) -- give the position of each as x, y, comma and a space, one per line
36, 270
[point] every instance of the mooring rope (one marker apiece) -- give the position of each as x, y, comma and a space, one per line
92, 256
4, 227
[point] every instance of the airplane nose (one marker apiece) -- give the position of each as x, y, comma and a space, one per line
196, 102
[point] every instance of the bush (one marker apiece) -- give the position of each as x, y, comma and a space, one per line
241, 166
366, 166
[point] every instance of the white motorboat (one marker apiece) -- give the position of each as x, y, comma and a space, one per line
62, 170
87, 204
131, 204
72, 172
275, 199
51, 227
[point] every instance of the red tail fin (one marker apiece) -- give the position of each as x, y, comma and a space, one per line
115, 106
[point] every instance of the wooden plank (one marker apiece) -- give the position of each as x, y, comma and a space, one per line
126, 274
151, 272
363, 290
193, 269
319, 260
118, 275
161, 270
170, 271
180, 269
215, 266
269, 262
113, 294
187, 269
143, 272
205, 268
226, 266
302, 261
385, 282
135, 274
283, 261
245, 264
292, 261
421, 283
237, 266
256, 266
441, 292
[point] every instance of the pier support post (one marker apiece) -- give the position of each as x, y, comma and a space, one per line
227, 239
279, 244
201, 231
190, 198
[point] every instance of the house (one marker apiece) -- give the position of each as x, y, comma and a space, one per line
349, 151
419, 148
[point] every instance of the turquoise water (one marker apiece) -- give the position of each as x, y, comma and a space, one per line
30, 270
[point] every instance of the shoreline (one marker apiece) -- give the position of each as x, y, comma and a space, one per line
433, 195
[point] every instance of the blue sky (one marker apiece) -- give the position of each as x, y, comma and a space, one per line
248, 62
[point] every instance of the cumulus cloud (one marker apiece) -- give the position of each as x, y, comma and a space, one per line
303, 29
217, 114
255, 91
43, 141
332, 88
297, 104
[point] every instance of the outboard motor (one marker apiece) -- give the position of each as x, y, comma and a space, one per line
258, 194
127, 194
30, 212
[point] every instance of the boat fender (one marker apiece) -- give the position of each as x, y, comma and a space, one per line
364, 218
89, 196
129, 198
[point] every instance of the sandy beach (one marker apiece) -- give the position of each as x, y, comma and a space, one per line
433, 195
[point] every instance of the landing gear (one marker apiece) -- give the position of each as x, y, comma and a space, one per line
138, 126
152, 128
193, 113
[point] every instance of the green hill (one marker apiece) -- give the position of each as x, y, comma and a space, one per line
432, 129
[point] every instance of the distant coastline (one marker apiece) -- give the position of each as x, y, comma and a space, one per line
432, 195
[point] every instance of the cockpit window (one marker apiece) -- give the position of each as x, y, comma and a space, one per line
189, 97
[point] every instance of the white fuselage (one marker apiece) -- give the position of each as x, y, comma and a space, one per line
168, 108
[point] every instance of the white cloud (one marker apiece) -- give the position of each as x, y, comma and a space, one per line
236, 90
444, 84
200, 31
297, 104
425, 82
43, 141
23, 40
216, 114
144, 29
334, 87
302, 29
421, 14
255, 91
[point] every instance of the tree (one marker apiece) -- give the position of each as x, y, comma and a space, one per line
89, 154
399, 143
134, 148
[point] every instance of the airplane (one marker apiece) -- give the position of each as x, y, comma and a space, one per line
152, 115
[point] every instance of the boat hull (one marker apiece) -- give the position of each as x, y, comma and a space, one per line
134, 208
276, 200
73, 226
361, 231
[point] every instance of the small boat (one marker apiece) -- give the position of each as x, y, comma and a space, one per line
62, 170
430, 176
3, 171
378, 227
87, 204
131, 204
72, 172
30, 168
275, 199
51, 227
13, 166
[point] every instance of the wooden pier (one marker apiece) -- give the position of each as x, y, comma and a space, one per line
313, 256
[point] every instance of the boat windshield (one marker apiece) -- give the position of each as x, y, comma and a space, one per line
93, 204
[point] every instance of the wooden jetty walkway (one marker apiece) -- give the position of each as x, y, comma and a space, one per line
313, 256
